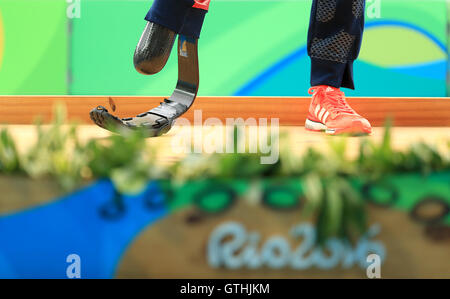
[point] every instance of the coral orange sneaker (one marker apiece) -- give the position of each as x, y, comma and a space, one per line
330, 112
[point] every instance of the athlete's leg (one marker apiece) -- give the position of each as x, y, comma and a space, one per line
166, 18
334, 40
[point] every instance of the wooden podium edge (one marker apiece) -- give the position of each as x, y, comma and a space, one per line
291, 111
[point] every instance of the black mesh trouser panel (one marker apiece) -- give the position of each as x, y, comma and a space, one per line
334, 40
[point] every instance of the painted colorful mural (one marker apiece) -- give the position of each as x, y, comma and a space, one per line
114, 233
89, 52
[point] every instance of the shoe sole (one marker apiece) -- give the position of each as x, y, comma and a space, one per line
320, 127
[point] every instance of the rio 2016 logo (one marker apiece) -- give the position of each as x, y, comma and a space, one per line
233, 247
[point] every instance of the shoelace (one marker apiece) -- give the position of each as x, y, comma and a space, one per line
334, 100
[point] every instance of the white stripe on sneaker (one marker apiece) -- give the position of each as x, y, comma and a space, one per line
324, 119
317, 110
322, 112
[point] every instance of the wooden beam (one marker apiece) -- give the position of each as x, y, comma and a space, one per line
290, 110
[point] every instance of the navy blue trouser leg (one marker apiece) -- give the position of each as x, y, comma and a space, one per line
177, 15
334, 40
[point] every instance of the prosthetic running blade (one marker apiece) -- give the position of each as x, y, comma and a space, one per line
160, 120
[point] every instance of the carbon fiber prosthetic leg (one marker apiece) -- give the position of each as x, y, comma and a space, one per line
150, 57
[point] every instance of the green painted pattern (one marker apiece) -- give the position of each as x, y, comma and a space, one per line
229, 54
35, 57
409, 190
448, 47
399, 47
392, 46
237, 45
427, 14
240, 41
256, 43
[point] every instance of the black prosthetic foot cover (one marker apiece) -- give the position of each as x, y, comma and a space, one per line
153, 49
155, 122
160, 120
